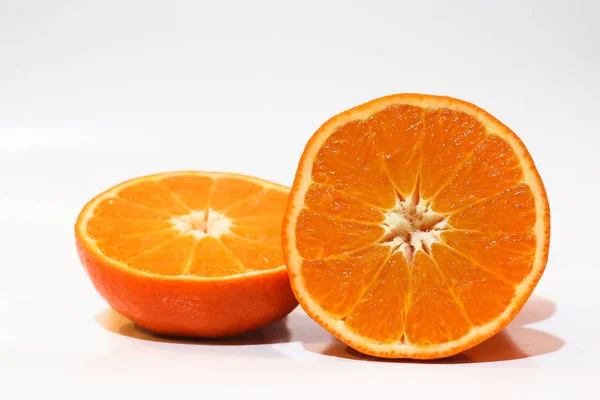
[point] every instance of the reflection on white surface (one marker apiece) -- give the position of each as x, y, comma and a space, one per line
517, 341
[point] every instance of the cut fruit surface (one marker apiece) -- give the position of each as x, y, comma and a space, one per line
189, 253
417, 226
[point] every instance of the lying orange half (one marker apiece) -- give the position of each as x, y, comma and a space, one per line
417, 226
189, 253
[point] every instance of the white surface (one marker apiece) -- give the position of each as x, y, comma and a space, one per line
92, 93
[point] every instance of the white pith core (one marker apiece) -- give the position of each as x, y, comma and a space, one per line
202, 223
411, 226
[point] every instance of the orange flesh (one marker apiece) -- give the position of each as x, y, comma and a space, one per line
464, 173
137, 226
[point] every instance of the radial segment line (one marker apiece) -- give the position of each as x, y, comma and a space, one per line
233, 257
405, 303
158, 210
367, 287
208, 199
353, 196
417, 189
370, 135
415, 197
458, 210
245, 199
450, 228
131, 235
135, 219
252, 222
174, 195
251, 240
343, 193
336, 256
159, 246
399, 196
451, 290
186, 270
322, 214
477, 264
468, 157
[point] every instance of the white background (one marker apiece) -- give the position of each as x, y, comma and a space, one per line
95, 92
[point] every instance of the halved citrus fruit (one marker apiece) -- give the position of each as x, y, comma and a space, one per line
417, 226
189, 253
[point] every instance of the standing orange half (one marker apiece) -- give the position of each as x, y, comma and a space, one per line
189, 253
417, 226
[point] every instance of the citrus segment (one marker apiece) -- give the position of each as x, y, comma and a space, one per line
511, 255
326, 200
383, 324
482, 294
116, 207
491, 169
168, 258
335, 165
510, 211
228, 192
268, 232
211, 258
124, 247
155, 195
417, 226
192, 191
189, 253
343, 235
254, 255
339, 282
434, 316
399, 131
449, 137
112, 227
261, 204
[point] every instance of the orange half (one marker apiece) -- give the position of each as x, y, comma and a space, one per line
189, 253
417, 226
